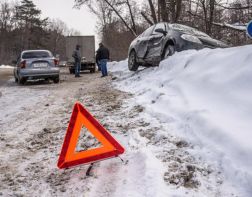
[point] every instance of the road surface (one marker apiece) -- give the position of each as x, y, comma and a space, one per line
33, 121
5, 75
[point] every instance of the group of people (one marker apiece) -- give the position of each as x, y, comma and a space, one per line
102, 57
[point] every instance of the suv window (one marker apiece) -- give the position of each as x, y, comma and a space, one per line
36, 54
147, 32
159, 26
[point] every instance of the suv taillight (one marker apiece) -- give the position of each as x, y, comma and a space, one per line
22, 64
56, 62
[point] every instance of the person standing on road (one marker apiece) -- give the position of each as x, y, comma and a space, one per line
103, 57
97, 62
77, 60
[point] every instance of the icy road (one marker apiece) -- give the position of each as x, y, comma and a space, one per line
185, 126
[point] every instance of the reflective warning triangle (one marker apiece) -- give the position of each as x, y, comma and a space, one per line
81, 117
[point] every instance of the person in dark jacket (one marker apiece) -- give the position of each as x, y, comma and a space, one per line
103, 57
77, 60
97, 62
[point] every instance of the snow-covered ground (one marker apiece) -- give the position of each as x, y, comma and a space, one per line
204, 97
6, 67
184, 125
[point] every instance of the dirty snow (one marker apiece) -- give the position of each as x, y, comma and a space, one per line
6, 66
205, 98
178, 122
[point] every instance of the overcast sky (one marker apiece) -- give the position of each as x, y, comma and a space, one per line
81, 20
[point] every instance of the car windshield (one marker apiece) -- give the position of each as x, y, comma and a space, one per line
186, 29
36, 54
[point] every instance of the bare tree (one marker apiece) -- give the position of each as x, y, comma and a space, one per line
153, 12
131, 16
163, 10
79, 3
147, 19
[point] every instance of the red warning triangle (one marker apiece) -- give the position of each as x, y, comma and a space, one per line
81, 117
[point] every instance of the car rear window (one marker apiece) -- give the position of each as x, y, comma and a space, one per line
36, 54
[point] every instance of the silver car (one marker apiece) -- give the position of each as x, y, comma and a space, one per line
36, 64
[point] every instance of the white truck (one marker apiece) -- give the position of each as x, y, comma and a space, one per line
87, 50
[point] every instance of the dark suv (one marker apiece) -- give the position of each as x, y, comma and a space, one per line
162, 40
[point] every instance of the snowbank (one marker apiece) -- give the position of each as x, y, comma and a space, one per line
206, 98
6, 66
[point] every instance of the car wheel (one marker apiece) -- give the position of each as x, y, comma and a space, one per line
132, 63
16, 79
72, 71
169, 51
92, 70
22, 80
56, 80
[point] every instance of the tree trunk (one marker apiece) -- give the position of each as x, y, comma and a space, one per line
173, 10
211, 16
131, 16
164, 14
178, 9
153, 13
205, 14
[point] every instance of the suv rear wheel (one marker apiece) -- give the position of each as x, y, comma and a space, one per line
132, 63
56, 80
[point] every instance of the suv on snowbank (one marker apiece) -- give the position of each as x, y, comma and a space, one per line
162, 40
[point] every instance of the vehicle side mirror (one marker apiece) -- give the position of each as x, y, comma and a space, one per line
160, 30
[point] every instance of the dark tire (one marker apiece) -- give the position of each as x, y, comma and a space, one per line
132, 63
168, 51
56, 80
16, 79
92, 70
22, 80
72, 71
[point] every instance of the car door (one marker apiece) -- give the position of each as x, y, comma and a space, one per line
156, 42
142, 42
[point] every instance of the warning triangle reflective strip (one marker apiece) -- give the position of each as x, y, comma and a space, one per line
81, 117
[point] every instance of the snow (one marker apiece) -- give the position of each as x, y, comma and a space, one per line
187, 29
5, 66
239, 27
205, 97
185, 126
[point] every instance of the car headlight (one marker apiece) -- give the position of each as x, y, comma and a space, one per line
190, 38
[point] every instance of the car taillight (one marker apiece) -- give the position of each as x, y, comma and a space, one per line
56, 62
22, 64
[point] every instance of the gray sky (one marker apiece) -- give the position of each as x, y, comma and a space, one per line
81, 20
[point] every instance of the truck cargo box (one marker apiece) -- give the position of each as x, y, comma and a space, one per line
87, 51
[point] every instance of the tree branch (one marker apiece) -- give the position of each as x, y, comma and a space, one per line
233, 27
131, 15
119, 15
146, 18
233, 8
